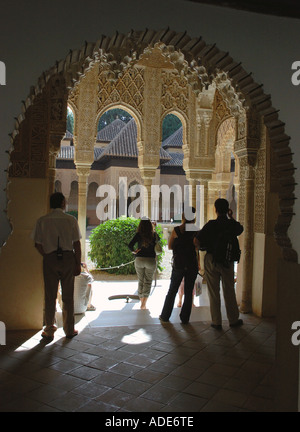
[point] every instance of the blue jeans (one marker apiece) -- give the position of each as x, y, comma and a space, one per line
189, 276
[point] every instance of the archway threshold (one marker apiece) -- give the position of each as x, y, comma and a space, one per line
123, 312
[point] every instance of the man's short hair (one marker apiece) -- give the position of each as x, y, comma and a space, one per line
222, 206
56, 200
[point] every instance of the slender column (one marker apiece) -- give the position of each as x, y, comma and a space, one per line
192, 198
149, 146
147, 198
207, 116
83, 174
204, 200
148, 176
84, 140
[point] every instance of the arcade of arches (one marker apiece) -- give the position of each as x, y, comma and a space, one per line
151, 74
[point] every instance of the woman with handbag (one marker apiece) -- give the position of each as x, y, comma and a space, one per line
145, 261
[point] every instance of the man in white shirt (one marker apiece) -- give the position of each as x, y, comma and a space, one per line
57, 238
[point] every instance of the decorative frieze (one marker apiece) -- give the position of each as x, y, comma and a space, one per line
128, 89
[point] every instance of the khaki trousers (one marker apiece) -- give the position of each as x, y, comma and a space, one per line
56, 271
214, 274
145, 268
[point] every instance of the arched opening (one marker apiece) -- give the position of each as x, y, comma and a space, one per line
70, 122
158, 79
225, 179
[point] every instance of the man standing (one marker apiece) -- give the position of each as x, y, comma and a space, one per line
219, 238
57, 239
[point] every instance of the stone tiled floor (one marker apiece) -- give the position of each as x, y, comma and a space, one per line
142, 368
125, 360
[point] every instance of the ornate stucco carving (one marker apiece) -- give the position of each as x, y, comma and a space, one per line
148, 159
260, 192
40, 132
175, 94
220, 108
84, 139
128, 90
200, 65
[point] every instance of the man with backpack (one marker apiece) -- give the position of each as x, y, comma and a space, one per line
219, 238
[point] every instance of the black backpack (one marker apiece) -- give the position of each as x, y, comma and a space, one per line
227, 248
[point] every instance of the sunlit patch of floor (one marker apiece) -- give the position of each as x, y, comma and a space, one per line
122, 312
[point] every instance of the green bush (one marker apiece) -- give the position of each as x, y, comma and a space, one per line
109, 245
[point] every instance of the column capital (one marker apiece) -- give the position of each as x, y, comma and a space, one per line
148, 173
83, 170
198, 174
83, 157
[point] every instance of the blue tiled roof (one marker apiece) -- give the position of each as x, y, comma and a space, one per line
174, 140
67, 152
125, 144
176, 159
108, 133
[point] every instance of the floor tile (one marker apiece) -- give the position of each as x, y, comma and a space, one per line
142, 366
115, 397
69, 402
46, 393
90, 389
134, 387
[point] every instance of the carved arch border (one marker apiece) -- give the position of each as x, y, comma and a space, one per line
184, 122
228, 134
202, 64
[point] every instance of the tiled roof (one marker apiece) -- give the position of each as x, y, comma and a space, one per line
110, 131
67, 153
164, 155
124, 145
176, 159
97, 152
174, 140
